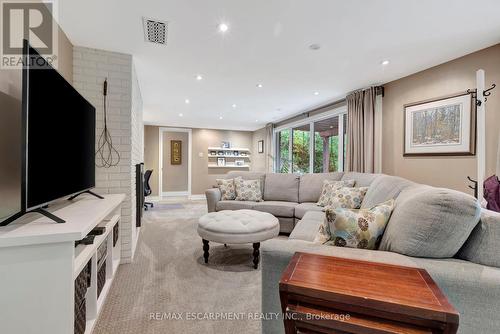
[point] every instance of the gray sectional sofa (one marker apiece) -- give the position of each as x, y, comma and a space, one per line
440, 230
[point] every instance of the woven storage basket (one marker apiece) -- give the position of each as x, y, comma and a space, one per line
80, 318
116, 231
101, 278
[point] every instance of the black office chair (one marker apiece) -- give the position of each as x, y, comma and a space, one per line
147, 188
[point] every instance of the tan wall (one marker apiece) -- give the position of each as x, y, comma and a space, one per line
452, 77
202, 177
175, 177
10, 126
258, 159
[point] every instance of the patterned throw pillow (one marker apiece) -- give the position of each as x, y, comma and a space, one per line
227, 189
329, 186
353, 228
247, 190
346, 198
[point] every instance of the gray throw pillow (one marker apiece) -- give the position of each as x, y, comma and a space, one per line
430, 222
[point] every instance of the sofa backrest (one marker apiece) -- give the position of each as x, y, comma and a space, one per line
282, 187
383, 188
483, 246
310, 185
362, 179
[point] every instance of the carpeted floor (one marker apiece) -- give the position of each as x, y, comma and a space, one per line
168, 282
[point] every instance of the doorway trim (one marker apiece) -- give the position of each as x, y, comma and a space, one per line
161, 130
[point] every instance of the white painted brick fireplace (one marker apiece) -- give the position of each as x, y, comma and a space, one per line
90, 68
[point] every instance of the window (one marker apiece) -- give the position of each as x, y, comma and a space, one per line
315, 145
300, 149
326, 145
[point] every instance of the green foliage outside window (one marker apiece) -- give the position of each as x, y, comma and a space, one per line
300, 152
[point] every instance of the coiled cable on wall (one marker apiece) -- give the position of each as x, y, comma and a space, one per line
106, 155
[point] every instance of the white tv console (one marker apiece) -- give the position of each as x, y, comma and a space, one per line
39, 264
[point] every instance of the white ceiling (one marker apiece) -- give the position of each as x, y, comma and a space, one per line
268, 42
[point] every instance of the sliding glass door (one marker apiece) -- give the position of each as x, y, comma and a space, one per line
327, 146
316, 145
300, 149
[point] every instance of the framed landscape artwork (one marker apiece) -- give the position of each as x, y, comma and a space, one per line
444, 126
176, 152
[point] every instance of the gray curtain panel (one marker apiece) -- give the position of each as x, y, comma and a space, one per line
268, 148
361, 130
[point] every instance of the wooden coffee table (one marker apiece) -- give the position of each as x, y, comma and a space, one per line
323, 294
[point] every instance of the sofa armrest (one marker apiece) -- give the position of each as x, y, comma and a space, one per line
213, 196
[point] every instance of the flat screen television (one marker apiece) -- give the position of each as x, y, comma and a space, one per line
58, 136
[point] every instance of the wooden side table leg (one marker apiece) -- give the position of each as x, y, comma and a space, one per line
256, 254
205, 250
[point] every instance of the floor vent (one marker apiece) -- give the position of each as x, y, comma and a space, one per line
155, 31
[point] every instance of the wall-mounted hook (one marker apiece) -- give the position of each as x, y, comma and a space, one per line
474, 187
487, 92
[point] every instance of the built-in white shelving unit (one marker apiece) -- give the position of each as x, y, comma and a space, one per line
230, 156
39, 264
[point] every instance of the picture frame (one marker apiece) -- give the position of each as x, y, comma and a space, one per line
221, 162
220, 152
225, 144
260, 146
236, 153
444, 126
176, 152
213, 153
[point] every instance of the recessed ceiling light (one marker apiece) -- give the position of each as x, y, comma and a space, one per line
316, 93
220, 117
187, 101
385, 62
233, 105
180, 115
314, 46
259, 85
223, 27
199, 77
256, 120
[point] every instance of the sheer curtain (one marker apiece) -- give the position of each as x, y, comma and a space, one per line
361, 130
268, 148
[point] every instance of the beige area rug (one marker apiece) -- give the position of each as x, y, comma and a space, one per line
168, 288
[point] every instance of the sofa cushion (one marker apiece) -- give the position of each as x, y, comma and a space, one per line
430, 222
277, 208
248, 176
384, 188
483, 246
248, 190
310, 185
302, 208
362, 179
281, 187
234, 205
352, 228
307, 228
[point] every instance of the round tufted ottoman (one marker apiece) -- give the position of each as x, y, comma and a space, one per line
238, 227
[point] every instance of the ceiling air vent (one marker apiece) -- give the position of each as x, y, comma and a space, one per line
155, 31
